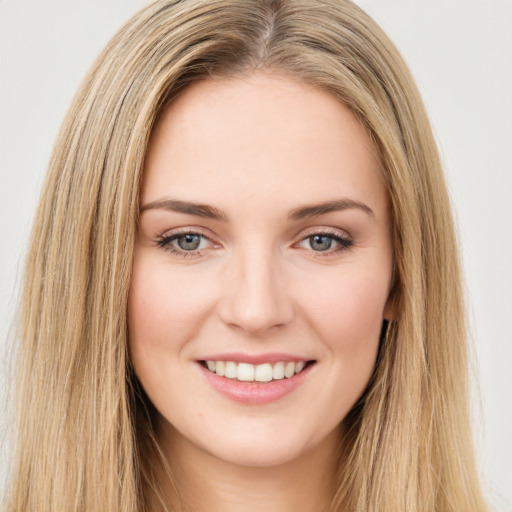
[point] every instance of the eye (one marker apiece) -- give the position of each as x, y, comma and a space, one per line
184, 243
189, 242
327, 243
320, 242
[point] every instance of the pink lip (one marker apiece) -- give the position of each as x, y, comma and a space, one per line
240, 357
255, 393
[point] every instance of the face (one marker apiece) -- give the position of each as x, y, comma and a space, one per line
262, 268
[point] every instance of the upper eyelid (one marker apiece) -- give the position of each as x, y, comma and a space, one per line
186, 231
330, 231
336, 236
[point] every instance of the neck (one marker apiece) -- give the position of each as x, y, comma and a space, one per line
207, 483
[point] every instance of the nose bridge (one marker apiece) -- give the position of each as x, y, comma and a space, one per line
256, 299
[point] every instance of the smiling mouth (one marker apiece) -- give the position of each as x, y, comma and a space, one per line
266, 372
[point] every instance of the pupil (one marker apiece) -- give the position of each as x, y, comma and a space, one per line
189, 242
320, 242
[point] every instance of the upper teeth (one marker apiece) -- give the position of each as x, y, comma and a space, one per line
249, 372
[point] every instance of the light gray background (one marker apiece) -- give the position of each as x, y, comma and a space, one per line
460, 52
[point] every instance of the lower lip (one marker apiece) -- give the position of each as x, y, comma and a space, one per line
255, 393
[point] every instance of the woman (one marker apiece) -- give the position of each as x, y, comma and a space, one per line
236, 294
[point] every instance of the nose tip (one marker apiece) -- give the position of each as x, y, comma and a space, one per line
257, 300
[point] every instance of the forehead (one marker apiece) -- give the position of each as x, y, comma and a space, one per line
261, 136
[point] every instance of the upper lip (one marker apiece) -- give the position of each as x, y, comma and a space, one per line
269, 357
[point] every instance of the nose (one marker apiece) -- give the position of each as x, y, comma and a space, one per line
256, 299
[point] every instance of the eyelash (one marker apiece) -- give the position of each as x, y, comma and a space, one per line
165, 242
344, 243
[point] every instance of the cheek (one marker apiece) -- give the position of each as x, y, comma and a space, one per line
348, 317
350, 309
163, 310
345, 314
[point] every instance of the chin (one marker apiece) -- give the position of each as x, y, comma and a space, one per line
268, 447
260, 454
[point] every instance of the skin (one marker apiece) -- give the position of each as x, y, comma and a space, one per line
258, 147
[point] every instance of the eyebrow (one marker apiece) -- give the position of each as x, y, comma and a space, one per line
199, 210
210, 212
315, 210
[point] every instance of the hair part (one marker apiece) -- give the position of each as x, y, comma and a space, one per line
83, 426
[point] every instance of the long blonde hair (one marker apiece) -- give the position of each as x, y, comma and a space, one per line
80, 420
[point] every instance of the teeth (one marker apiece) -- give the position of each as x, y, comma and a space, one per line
263, 373
219, 368
289, 370
278, 371
246, 372
231, 370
